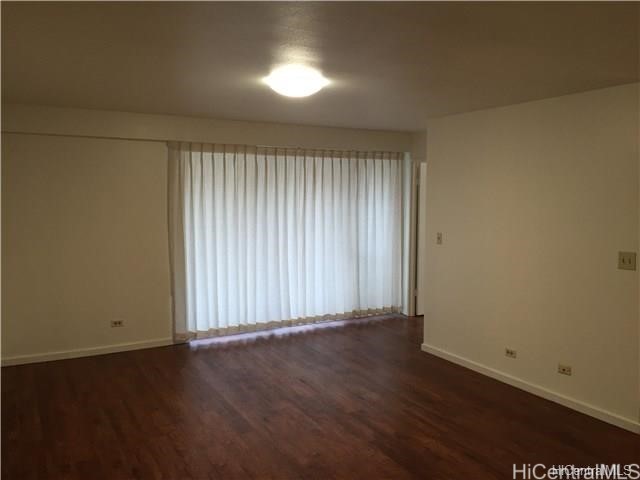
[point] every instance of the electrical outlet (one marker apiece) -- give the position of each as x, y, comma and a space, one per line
117, 323
564, 369
439, 238
510, 353
627, 260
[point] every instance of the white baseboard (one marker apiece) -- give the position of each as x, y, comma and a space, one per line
85, 352
582, 407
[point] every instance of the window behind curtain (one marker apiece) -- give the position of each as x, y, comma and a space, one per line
265, 237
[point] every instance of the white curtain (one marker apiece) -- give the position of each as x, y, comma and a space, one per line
266, 237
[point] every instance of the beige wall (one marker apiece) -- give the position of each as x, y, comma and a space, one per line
84, 222
101, 123
535, 201
84, 242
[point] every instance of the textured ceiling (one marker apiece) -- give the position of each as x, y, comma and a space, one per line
393, 64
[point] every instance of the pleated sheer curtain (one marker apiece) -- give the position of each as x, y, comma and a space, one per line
269, 237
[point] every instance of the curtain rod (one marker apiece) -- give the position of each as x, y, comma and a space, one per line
322, 148
290, 147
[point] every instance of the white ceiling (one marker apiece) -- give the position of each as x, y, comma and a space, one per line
393, 65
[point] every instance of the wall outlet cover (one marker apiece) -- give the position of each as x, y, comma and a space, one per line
627, 260
564, 369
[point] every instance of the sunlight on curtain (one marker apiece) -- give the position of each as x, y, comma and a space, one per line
265, 237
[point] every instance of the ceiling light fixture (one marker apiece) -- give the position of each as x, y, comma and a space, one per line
296, 80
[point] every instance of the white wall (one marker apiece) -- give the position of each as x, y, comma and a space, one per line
109, 124
534, 202
84, 221
84, 242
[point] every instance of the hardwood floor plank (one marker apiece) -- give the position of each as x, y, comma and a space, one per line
359, 400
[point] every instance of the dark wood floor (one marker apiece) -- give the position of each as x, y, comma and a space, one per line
355, 401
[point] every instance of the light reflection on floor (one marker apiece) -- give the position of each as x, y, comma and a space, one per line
284, 332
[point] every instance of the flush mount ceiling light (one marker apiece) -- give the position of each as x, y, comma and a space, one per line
296, 80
